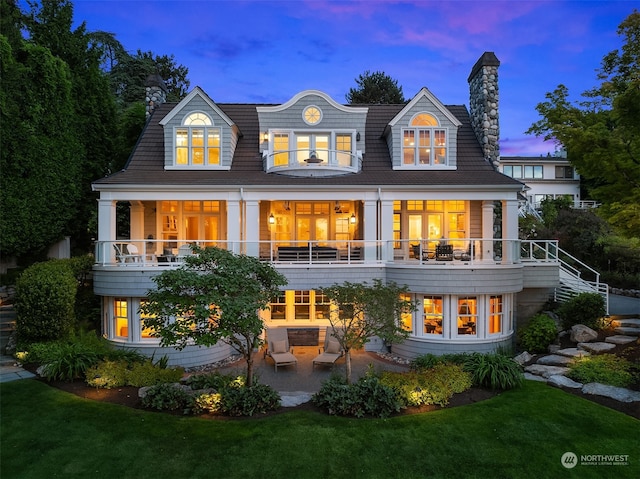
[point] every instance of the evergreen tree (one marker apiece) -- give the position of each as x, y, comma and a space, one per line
375, 88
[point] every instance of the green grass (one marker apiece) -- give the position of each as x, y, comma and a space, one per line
521, 433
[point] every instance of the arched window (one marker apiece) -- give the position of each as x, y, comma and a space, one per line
197, 141
424, 142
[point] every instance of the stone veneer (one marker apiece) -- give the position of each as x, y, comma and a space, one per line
483, 105
155, 93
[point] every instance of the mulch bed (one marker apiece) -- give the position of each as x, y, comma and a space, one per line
128, 396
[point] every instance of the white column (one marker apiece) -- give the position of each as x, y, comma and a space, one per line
252, 223
136, 220
106, 230
370, 229
486, 252
233, 225
386, 228
509, 230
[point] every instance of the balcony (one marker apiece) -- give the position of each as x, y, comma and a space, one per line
453, 252
306, 162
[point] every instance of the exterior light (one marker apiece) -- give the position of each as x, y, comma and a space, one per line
265, 136
272, 219
358, 136
352, 220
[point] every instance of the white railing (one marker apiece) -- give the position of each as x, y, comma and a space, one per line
313, 159
163, 253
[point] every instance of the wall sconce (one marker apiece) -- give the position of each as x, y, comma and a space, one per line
357, 136
352, 220
272, 219
265, 136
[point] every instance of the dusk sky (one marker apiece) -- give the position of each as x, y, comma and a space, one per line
267, 51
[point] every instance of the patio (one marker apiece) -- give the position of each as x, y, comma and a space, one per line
305, 378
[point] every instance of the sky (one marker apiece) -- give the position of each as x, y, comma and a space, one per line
268, 51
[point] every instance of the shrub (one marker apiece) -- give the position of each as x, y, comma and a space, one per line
494, 371
167, 397
428, 361
110, 374
538, 334
585, 308
368, 397
247, 401
45, 300
107, 374
214, 380
69, 361
604, 368
207, 403
428, 386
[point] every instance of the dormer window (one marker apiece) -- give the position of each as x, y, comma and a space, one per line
424, 142
197, 141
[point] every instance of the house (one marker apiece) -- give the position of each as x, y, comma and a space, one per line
545, 177
329, 193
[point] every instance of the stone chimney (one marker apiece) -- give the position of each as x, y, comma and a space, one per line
155, 93
483, 105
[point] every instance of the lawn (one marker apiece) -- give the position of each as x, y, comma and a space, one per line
519, 434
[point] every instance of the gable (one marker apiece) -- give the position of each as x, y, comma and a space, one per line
217, 123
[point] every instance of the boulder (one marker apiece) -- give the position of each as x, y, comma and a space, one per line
596, 348
582, 334
523, 358
613, 392
555, 360
573, 352
546, 371
564, 382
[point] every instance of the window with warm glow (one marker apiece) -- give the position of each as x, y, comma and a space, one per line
121, 318
495, 314
302, 304
197, 142
432, 311
322, 306
280, 149
279, 307
424, 143
467, 315
145, 333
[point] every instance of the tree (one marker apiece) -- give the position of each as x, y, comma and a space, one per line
375, 88
129, 74
602, 132
360, 311
215, 296
40, 153
94, 120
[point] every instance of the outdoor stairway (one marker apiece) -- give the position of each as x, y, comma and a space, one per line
627, 327
7, 324
553, 368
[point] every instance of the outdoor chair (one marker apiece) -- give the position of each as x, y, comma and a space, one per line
278, 348
330, 353
444, 252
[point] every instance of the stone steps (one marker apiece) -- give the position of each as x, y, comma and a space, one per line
627, 326
553, 368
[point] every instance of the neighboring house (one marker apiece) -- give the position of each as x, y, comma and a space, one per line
329, 193
545, 177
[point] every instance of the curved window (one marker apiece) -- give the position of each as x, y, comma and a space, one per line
451, 317
312, 115
197, 142
424, 143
